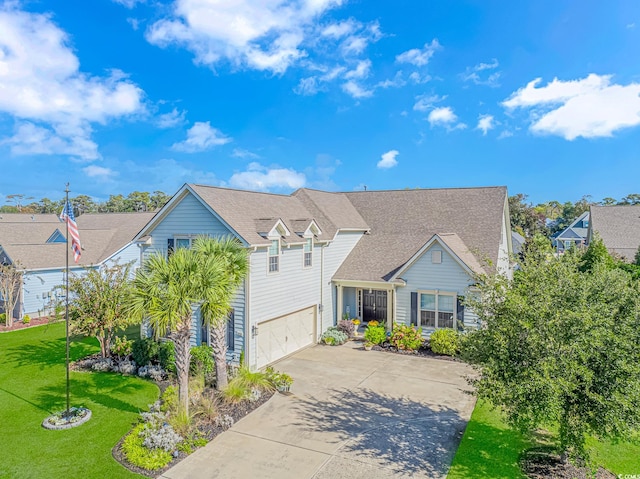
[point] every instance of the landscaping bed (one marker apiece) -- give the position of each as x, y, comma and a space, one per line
424, 351
209, 430
22, 325
545, 464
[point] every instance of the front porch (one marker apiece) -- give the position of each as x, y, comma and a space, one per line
367, 302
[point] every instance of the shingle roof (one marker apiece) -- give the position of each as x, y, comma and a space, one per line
619, 228
24, 239
401, 222
250, 213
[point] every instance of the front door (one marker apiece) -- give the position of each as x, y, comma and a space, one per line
374, 305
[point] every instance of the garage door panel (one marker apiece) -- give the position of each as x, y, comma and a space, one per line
285, 335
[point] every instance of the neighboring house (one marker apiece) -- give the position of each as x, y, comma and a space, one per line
619, 228
395, 256
37, 244
573, 235
518, 241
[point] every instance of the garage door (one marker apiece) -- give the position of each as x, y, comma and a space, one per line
282, 336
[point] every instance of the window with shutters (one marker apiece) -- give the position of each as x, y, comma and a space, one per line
274, 256
437, 309
308, 253
231, 330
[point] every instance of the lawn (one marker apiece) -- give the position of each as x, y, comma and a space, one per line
32, 386
490, 449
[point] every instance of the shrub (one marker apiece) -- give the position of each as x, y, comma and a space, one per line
102, 365
164, 437
3, 317
191, 444
278, 379
167, 356
225, 422
333, 337
144, 351
445, 341
169, 399
125, 367
254, 380
154, 372
373, 323
140, 456
201, 360
235, 392
121, 346
405, 337
26, 319
181, 422
375, 334
347, 327
206, 408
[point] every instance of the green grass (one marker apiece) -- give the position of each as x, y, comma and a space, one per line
489, 448
32, 386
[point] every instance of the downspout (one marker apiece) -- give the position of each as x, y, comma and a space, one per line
248, 336
321, 304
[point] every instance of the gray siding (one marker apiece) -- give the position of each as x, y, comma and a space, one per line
129, 254
334, 254
424, 275
188, 217
290, 289
37, 287
191, 218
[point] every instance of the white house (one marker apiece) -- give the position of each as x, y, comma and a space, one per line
395, 256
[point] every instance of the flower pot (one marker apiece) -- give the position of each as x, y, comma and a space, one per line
368, 347
284, 388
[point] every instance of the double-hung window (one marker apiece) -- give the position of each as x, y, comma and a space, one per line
437, 309
274, 256
308, 253
178, 242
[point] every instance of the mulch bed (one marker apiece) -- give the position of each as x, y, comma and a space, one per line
543, 464
20, 325
424, 352
209, 431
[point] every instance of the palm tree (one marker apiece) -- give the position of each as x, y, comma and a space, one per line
166, 291
234, 259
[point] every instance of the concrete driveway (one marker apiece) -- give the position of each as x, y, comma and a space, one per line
351, 414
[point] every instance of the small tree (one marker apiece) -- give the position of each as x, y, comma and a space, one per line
636, 260
97, 303
10, 283
560, 346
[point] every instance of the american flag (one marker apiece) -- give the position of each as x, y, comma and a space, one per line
66, 216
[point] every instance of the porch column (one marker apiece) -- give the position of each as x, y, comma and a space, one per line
339, 304
391, 309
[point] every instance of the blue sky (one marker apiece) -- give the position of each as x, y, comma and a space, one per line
122, 95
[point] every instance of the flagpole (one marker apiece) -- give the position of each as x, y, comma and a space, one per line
66, 314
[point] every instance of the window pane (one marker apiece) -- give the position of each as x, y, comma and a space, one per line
427, 319
274, 248
183, 242
445, 303
307, 246
445, 320
273, 264
307, 259
428, 301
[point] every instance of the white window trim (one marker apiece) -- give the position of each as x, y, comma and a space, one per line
269, 256
304, 254
437, 293
182, 237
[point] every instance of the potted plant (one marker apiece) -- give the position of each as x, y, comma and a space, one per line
283, 382
356, 323
368, 346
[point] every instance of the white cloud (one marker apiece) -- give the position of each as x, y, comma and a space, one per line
356, 90
475, 74
340, 29
485, 123
128, 3
357, 43
419, 56
262, 178
201, 137
590, 107
134, 22
245, 154
171, 119
426, 102
43, 88
99, 172
505, 134
418, 79
631, 26
360, 71
444, 116
268, 35
388, 159
396, 82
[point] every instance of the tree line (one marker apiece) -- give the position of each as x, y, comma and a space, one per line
135, 201
551, 217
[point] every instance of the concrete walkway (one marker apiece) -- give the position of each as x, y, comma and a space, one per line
351, 414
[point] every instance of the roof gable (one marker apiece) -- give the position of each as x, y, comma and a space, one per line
57, 237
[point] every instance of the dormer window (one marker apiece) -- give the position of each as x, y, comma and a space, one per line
308, 253
274, 256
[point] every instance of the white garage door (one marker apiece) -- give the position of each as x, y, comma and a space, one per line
282, 336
